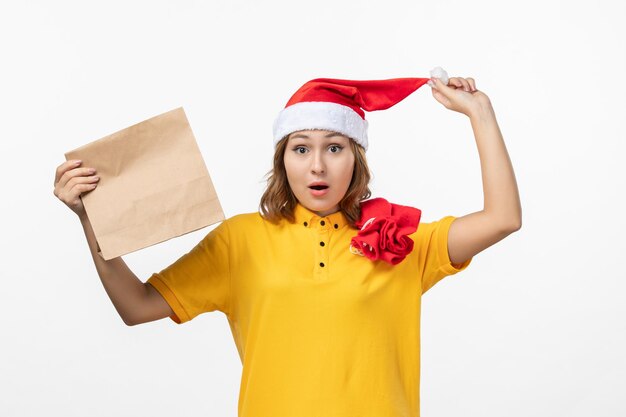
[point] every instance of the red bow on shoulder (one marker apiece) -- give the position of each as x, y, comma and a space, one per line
384, 230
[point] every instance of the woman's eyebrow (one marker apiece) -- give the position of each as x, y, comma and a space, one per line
303, 136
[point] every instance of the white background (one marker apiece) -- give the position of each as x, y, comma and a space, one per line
534, 327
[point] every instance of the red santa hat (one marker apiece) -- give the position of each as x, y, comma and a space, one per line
337, 105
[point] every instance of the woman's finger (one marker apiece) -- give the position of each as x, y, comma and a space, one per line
472, 83
441, 92
77, 189
76, 186
456, 82
465, 84
80, 179
441, 87
65, 166
73, 173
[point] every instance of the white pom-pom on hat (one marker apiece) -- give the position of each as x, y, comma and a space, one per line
440, 73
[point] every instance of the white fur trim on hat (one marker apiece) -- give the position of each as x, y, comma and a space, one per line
321, 115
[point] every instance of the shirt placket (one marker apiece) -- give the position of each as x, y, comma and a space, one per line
322, 235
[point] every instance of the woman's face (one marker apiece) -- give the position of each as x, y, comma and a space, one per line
319, 166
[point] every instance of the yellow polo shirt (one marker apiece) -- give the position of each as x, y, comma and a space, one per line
320, 331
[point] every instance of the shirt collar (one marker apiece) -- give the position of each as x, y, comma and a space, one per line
308, 218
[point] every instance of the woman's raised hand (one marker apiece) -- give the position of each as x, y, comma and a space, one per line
71, 181
460, 95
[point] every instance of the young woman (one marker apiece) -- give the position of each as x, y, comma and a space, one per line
322, 287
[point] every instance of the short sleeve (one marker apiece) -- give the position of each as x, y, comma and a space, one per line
431, 242
199, 281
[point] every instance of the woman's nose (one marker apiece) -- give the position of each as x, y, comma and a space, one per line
317, 164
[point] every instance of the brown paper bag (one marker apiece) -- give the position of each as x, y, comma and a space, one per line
153, 185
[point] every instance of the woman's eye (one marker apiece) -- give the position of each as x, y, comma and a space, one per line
335, 148
300, 149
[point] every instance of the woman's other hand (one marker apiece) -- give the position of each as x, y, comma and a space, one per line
71, 181
460, 95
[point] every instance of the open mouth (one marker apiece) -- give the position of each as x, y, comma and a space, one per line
318, 187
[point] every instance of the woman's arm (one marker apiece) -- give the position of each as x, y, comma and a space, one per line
502, 211
135, 301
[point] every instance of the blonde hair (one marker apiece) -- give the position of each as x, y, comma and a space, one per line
278, 201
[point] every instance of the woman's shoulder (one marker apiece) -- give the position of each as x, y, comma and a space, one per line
247, 222
244, 218
248, 227
427, 228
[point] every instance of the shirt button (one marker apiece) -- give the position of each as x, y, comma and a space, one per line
322, 264
322, 222
321, 243
305, 224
